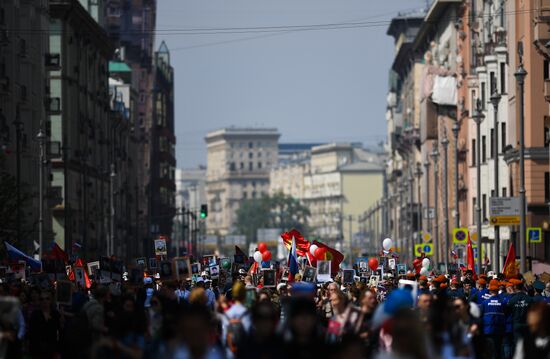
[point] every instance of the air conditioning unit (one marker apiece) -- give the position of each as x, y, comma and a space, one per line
53, 60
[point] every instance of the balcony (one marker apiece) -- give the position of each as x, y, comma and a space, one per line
542, 27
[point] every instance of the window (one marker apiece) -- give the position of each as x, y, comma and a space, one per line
250, 144
473, 152
502, 77
546, 187
484, 207
242, 166
250, 166
492, 149
483, 149
492, 82
546, 70
503, 191
492, 193
232, 166
245, 195
250, 155
503, 135
546, 131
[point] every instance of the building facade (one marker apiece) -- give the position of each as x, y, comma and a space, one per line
22, 115
238, 165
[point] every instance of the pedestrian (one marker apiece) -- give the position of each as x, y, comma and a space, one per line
45, 329
493, 321
537, 343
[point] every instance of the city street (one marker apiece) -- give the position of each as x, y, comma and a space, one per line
275, 179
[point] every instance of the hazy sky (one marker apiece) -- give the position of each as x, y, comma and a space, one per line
322, 85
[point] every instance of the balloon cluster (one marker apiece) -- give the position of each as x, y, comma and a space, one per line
320, 253
425, 266
262, 254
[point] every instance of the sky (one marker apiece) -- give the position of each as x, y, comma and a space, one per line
323, 85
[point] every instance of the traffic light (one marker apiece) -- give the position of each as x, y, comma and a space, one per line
204, 211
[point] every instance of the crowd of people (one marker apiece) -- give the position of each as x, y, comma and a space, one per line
408, 316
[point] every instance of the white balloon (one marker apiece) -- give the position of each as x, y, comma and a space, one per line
387, 244
425, 263
424, 271
258, 256
312, 249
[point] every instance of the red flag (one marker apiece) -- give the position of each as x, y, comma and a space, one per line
510, 268
336, 259
80, 263
302, 245
471, 264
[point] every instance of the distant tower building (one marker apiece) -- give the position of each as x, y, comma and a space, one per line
238, 165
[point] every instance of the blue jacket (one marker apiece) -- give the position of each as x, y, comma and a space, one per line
480, 296
494, 317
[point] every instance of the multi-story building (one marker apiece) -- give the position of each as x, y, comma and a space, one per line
469, 53
162, 161
238, 165
79, 122
22, 115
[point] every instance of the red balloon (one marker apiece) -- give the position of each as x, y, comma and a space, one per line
262, 247
320, 253
373, 263
266, 256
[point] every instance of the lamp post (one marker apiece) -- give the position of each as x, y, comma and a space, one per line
456, 130
418, 174
495, 100
445, 143
478, 118
41, 138
111, 248
520, 79
428, 219
435, 156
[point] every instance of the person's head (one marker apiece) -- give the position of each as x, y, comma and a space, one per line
46, 301
332, 288
264, 296
128, 304
338, 301
238, 292
493, 286
282, 289
461, 308
264, 319
199, 282
194, 328
481, 284
248, 280
469, 274
198, 296
101, 293
368, 301
302, 318
538, 319
424, 301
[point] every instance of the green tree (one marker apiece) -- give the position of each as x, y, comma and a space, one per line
277, 211
8, 210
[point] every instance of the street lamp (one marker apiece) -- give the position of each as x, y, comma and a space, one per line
456, 130
418, 174
445, 143
111, 247
478, 118
520, 79
435, 155
41, 138
411, 204
428, 219
495, 100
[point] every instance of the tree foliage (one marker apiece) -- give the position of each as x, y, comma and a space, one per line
8, 209
277, 211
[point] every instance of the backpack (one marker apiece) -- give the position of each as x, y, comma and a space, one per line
235, 333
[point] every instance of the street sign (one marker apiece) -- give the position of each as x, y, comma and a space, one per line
429, 213
426, 237
504, 211
460, 235
534, 235
426, 248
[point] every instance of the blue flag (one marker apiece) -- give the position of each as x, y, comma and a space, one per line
16, 254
